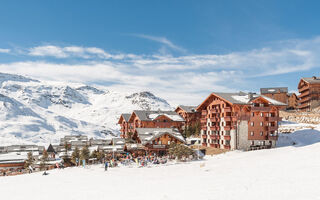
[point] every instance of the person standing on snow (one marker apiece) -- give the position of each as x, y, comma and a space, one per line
30, 169
106, 166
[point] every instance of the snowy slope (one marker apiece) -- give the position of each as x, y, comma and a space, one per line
281, 173
33, 111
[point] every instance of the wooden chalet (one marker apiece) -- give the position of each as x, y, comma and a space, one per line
309, 97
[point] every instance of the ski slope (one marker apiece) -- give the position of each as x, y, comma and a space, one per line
290, 172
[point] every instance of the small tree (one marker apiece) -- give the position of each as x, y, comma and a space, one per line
85, 154
29, 161
180, 150
101, 155
75, 156
44, 159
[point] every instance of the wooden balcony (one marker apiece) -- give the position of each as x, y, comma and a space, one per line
203, 120
261, 109
204, 128
212, 145
213, 136
274, 119
227, 128
204, 136
204, 144
214, 111
214, 119
227, 109
228, 118
272, 128
226, 146
306, 99
303, 106
303, 89
204, 113
227, 137
306, 93
213, 128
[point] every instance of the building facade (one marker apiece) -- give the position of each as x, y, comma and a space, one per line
293, 101
155, 119
189, 114
124, 124
277, 93
309, 89
239, 121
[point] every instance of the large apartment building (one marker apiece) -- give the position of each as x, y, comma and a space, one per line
239, 121
309, 97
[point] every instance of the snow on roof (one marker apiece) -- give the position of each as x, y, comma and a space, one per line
172, 117
243, 99
147, 135
273, 101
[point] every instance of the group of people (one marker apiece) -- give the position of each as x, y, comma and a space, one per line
140, 161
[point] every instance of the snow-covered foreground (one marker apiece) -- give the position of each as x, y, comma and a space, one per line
282, 173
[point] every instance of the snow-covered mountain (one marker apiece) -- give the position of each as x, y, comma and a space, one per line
33, 111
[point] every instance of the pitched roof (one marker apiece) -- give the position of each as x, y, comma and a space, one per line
150, 115
51, 149
147, 135
274, 90
311, 80
242, 98
188, 109
126, 116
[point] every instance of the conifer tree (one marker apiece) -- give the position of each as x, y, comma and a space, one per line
44, 159
29, 161
85, 153
75, 156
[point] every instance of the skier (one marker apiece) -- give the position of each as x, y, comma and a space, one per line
106, 166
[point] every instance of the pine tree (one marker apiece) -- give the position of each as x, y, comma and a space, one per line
44, 159
75, 156
180, 150
29, 161
85, 153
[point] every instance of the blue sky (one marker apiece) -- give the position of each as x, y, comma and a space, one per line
180, 50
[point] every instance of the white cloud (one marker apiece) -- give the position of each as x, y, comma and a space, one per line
5, 50
161, 40
181, 79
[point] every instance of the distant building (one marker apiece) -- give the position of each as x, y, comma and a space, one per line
239, 121
189, 114
154, 119
155, 140
124, 124
277, 93
309, 97
293, 101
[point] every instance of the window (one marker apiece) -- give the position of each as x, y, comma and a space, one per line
261, 123
252, 143
261, 133
252, 133
168, 142
252, 114
252, 123
261, 114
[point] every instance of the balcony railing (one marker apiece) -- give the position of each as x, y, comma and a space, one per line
272, 128
306, 93
204, 128
204, 112
159, 146
228, 118
227, 146
227, 137
306, 99
263, 109
227, 128
274, 119
204, 136
303, 88
214, 119
203, 120
214, 111
303, 106
227, 109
